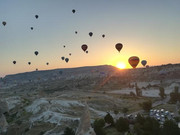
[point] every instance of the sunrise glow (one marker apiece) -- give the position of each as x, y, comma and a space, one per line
121, 65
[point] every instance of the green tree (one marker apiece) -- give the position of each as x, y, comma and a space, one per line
68, 131
109, 119
122, 124
98, 126
151, 126
147, 105
140, 119
138, 129
146, 126
170, 128
116, 111
125, 110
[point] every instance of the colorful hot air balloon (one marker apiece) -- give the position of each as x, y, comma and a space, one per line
62, 58
36, 16
119, 46
73, 10
103, 35
66, 59
133, 61
4, 23
36, 53
29, 63
84, 47
144, 62
14, 62
90, 34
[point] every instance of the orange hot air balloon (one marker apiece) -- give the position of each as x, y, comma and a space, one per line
133, 61
119, 46
84, 47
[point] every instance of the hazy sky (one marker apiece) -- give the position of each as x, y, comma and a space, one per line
149, 29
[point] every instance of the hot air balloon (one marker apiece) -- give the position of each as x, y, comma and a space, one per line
119, 46
90, 34
144, 62
36, 53
29, 63
73, 10
4, 23
36, 16
36, 69
86, 51
14, 62
64, 46
66, 59
133, 61
76, 32
69, 54
62, 58
31, 28
47, 63
84, 47
103, 35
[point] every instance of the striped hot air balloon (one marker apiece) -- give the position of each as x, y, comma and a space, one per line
133, 61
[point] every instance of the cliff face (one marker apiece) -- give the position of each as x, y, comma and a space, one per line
95, 77
3, 122
85, 124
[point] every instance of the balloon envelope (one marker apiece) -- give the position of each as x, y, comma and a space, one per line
144, 62
119, 46
4, 23
36, 53
73, 10
36, 16
84, 47
14, 62
29, 63
90, 34
66, 59
133, 61
103, 35
62, 58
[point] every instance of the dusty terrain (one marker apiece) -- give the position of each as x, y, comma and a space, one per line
45, 102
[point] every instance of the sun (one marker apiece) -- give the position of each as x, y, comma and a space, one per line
121, 65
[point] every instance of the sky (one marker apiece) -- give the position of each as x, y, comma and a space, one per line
148, 29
